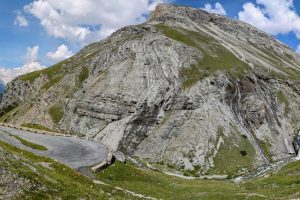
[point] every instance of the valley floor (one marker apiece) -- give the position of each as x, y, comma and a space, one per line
26, 175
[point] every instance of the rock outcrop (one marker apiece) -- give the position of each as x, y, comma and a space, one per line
195, 91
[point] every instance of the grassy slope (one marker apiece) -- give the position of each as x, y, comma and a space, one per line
218, 58
235, 154
55, 181
59, 181
215, 56
162, 186
52, 73
283, 185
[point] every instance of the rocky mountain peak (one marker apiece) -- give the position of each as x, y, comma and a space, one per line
164, 12
189, 16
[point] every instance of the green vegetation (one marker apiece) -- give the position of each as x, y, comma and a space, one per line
55, 181
84, 74
56, 112
36, 126
283, 72
283, 99
224, 60
6, 117
162, 186
236, 153
8, 109
51, 82
30, 76
283, 185
215, 56
265, 146
30, 144
180, 35
286, 72
54, 74
60, 182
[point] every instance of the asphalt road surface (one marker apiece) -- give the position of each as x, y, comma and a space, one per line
74, 152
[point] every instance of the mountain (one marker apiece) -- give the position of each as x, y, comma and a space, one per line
2, 88
188, 90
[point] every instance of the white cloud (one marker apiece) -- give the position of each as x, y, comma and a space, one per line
61, 53
272, 16
32, 63
217, 8
32, 54
87, 21
21, 20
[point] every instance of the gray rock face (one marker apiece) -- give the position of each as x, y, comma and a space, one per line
190, 89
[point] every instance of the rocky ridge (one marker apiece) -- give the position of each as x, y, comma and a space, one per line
190, 90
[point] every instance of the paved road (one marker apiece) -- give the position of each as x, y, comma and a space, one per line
74, 152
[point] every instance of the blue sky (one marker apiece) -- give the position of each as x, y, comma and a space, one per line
37, 34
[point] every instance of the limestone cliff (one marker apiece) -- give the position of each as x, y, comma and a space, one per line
192, 90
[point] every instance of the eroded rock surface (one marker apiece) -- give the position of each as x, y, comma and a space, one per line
187, 88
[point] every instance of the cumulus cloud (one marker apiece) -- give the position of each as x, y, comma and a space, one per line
88, 20
32, 63
61, 53
21, 20
272, 16
32, 54
217, 8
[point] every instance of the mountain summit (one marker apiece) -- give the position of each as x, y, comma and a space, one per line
197, 92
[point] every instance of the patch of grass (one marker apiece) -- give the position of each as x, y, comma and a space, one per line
61, 182
284, 184
56, 112
51, 82
84, 74
7, 109
281, 97
51, 72
36, 126
162, 186
236, 153
215, 56
223, 60
178, 35
30, 76
265, 146
30, 144
56, 181
284, 72
6, 117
